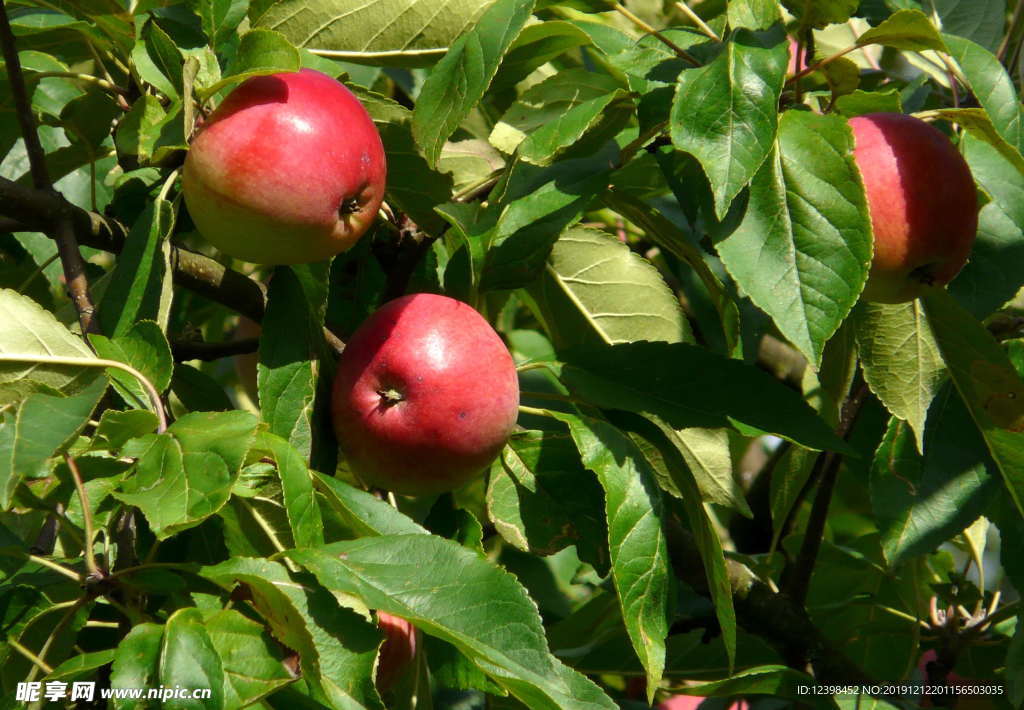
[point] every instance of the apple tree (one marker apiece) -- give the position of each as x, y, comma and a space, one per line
756, 264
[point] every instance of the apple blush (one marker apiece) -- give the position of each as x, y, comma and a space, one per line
425, 396
289, 169
922, 201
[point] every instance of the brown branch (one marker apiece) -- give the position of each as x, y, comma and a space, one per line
34, 210
771, 615
826, 469
62, 228
202, 350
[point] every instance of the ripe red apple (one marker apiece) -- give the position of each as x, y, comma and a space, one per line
425, 397
924, 209
397, 651
289, 169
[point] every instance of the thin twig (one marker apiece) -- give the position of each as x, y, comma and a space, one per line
826, 470
22, 105
1018, 15
695, 18
680, 52
63, 230
820, 63
68, 615
90, 557
37, 662
201, 350
87, 78
61, 569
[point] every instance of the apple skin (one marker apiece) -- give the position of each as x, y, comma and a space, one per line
922, 201
399, 648
289, 169
693, 702
425, 396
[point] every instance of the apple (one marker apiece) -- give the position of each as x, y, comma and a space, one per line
425, 396
923, 206
289, 169
397, 651
693, 702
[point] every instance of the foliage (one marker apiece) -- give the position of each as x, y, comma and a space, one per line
731, 476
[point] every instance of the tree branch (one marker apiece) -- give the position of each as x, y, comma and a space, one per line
771, 615
62, 229
201, 350
34, 210
826, 469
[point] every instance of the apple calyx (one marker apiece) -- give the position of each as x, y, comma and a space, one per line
390, 397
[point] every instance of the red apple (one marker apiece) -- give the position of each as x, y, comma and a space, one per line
397, 651
289, 169
425, 397
924, 209
693, 702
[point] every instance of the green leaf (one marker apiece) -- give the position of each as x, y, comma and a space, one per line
861, 102
668, 464
900, 358
81, 666
707, 459
259, 52
185, 475
140, 287
726, 113
30, 330
136, 660
361, 511
189, 660
197, 391
535, 46
536, 205
753, 14
145, 348
803, 247
297, 488
220, 18
921, 501
39, 428
595, 290
992, 86
818, 13
503, 637
995, 271
987, 382
413, 186
689, 386
292, 330
541, 499
337, 646
977, 123
636, 536
250, 658
165, 55
668, 236
415, 38
459, 80
548, 101
587, 124
87, 119
139, 130
981, 21
910, 30
776, 681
